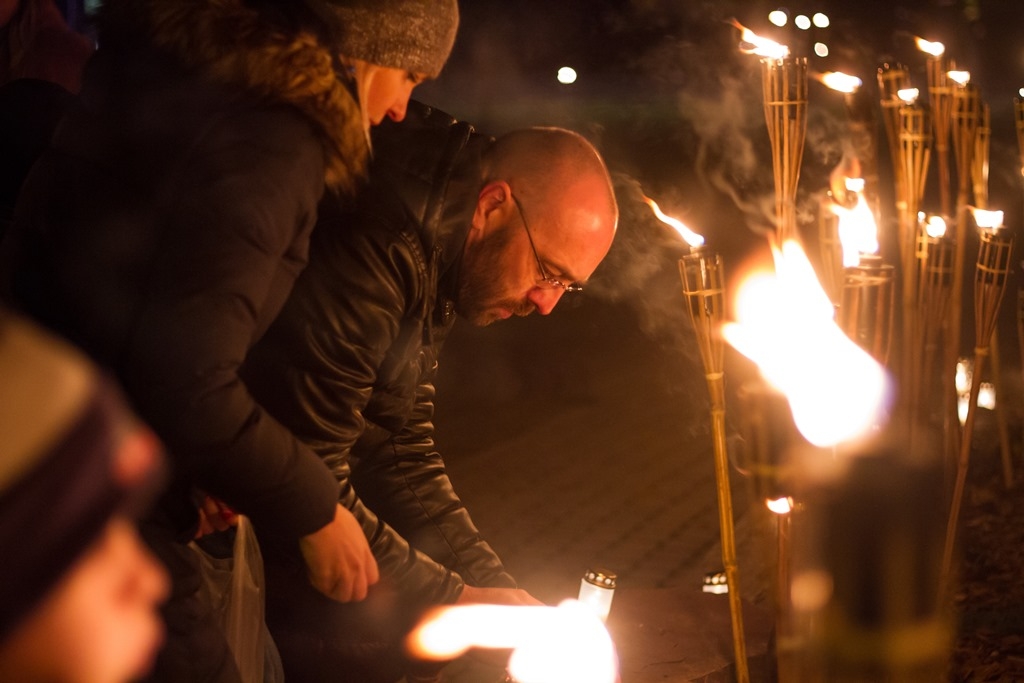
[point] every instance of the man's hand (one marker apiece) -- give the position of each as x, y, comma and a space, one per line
338, 558
496, 596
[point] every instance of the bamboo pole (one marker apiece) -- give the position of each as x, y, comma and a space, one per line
703, 286
989, 287
935, 277
784, 85
892, 79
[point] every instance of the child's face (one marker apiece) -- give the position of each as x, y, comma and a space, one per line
100, 623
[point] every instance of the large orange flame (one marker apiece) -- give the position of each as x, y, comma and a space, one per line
753, 44
784, 323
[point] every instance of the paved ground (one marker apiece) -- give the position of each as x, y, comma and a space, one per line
583, 439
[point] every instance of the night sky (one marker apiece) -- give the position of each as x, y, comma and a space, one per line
677, 111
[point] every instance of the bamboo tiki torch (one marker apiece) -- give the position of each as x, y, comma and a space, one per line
935, 280
979, 178
866, 305
1018, 110
966, 112
784, 84
989, 286
914, 153
704, 289
891, 80
941, 98
703, 286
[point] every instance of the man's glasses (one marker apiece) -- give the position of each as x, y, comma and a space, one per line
545, 281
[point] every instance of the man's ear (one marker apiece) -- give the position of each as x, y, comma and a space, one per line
494, 196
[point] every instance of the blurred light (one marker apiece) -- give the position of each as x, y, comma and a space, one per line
932, 48
837, 80
567, 75
1021, 92
780, 506
936, 227
987, 396
821, 49
908, 95
779, 18
715, 582
964, 371
820, 20
987, 220
802, 22
810, 590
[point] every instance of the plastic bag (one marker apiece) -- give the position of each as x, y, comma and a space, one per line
233, 587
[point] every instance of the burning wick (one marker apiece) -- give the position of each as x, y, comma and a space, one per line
934, 49
780, 506
987, 220
692, 238
756, 45
564, 644
960, 77
908, 95
840, 82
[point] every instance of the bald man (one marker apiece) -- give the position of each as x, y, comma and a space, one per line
453, 223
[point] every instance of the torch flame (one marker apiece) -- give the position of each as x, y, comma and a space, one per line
564, 644
960, 77
692, 238
858, 232
987, 220
837, 80
763, 47
935, 227
908, 95
784, 322
934, 49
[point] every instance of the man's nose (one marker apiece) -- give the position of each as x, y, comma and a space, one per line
397, 111
545, 299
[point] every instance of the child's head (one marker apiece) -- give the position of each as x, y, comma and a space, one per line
79, 594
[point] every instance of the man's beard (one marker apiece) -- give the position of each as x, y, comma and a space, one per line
481, 296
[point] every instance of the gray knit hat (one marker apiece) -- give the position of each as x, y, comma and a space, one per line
416, 35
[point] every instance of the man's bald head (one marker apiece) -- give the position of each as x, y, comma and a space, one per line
563, 185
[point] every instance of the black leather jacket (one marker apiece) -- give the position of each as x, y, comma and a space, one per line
349, 364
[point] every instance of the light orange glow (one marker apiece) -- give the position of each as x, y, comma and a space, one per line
753, 44
934, 49
858, 232
692, 238
837, 80
784, 323
564, 644
780, 506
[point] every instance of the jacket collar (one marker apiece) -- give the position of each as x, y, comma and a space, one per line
229, 43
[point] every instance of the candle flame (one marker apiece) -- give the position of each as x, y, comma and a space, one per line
753, 44
692, 238
908, 95
837, 80
858, 232
935, 227
987, 220
780, 506
564, 644
784, 322
934, 49
961, 77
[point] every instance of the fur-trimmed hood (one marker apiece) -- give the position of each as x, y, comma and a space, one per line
231, 43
